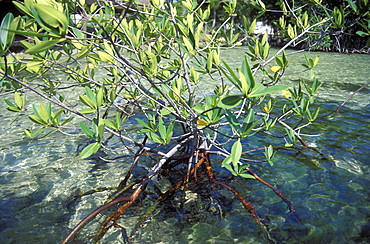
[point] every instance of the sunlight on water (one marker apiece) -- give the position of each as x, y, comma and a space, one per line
330, 191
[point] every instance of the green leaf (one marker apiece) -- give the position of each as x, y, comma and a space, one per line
43, 113
90, 94
34, 66
84, 52
78, 33
29, 33
90, 150
31, 134
233, 78
153, 64
247, 176
170, 131
262, 5
236, 152
362, 34
231, 118
143, 123
100, 131
230, 101
119, 121
266, 50
19, 103
4, 33
95, 127
226, 164
100, 97
248, 122
88, 110
338, 16
14, 25
247, 71
162, 129
291, 32
233, 122
35, 119
316, 60
88, 102
9, 103
270, 162
244, 84
315, 113
13, 109
257, 90
189, 46
165, 111
209, 61
42, 46
154, 137
157, 3
28, 133
187, 4
260, 90
269, 153
55, 119
304, 105
226, 161
106, 58
352, 5
252, 26
36, 110
87, 131
50, 19
110, 124
22, 8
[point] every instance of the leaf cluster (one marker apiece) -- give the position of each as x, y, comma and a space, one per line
147, 69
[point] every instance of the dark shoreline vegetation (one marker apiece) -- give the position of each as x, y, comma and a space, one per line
348, 50
130, 86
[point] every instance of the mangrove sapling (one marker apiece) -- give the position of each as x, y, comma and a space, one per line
153, 62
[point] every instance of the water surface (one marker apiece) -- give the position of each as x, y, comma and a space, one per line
330, 189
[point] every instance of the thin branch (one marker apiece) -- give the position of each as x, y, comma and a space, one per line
354, 93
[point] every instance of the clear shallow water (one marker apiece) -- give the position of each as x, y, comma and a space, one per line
330, 191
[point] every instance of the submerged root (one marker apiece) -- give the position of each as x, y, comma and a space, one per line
202, 170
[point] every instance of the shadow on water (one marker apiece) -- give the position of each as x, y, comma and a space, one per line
31, 218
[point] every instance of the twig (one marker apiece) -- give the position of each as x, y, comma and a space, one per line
348, 98
277, 192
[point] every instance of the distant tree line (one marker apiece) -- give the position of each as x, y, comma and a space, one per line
348, 32
349, 29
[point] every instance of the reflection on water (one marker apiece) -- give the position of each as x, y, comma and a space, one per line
330, 190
